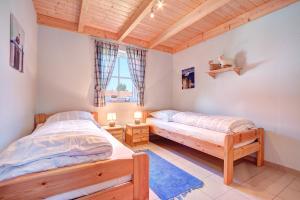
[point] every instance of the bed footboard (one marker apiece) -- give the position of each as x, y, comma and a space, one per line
140, 176
227, 152
44, 184
231, 154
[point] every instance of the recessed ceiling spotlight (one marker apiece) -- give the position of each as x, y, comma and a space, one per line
152, 13
160, 3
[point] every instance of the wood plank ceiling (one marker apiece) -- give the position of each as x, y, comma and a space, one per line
178, 25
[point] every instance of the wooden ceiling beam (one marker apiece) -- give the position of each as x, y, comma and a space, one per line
142, 10
198, 13
83, 15
251, 15
56, 23
95, 32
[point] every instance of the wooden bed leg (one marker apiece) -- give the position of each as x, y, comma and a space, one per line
260, 153
140, 176
228, 160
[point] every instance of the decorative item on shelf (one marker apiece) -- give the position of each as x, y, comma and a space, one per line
137, 117
214, 66
111, 118
225, 62
224, 66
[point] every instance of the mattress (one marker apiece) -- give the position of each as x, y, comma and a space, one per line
119, 152
195, 132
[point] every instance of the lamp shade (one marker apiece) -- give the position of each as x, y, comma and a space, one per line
111, 116
137, 115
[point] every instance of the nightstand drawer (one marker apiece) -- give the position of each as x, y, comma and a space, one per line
116, 132
136, 131
137, 136
120, 138
140, 131
145, 130
141, 139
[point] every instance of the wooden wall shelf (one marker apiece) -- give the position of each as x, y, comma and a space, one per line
214, 73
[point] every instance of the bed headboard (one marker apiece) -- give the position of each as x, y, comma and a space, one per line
146, 114
42, 117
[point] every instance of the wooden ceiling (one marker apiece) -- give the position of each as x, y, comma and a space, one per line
178, 25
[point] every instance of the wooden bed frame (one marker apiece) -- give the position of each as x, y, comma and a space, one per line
227, 152
44, 184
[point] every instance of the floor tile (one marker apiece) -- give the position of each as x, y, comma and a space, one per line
191, 168
292, 191
270, 181
213, 188
245, 171
152, 195
197, 195
233, 195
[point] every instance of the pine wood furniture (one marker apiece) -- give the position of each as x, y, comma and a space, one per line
117, 131
179, 25
137, 134
227, 152
48, 183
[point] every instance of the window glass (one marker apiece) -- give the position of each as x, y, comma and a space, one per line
121, 88
124, 70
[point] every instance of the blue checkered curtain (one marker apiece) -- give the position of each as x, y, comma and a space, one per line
105, 59
137, 65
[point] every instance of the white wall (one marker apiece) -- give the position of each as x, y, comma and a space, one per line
65, 76
17, 90
268, 90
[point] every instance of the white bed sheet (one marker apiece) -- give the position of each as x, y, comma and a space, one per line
119, 152
196, 132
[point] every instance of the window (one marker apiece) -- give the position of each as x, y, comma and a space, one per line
120, 88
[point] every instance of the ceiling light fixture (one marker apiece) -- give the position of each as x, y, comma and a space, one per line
152, 13
159, 4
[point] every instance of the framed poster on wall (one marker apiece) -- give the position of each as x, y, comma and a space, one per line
188, 78
17, 37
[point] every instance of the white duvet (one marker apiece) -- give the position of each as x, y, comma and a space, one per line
53, 145
222, 124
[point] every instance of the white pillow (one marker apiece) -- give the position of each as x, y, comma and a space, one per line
70, 115
165, 115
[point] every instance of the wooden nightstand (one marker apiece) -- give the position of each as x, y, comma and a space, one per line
116, 131
137, 134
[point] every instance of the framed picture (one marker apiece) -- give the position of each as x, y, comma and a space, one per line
188, 78
17, 37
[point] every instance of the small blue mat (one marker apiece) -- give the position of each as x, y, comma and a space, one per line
169, 181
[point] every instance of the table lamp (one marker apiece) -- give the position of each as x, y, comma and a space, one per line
137, 117
111, 118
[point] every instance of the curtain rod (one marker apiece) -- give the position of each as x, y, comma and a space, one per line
116, 42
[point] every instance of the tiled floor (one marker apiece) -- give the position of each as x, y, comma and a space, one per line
250, 182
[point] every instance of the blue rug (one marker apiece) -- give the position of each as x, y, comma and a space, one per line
169, 181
